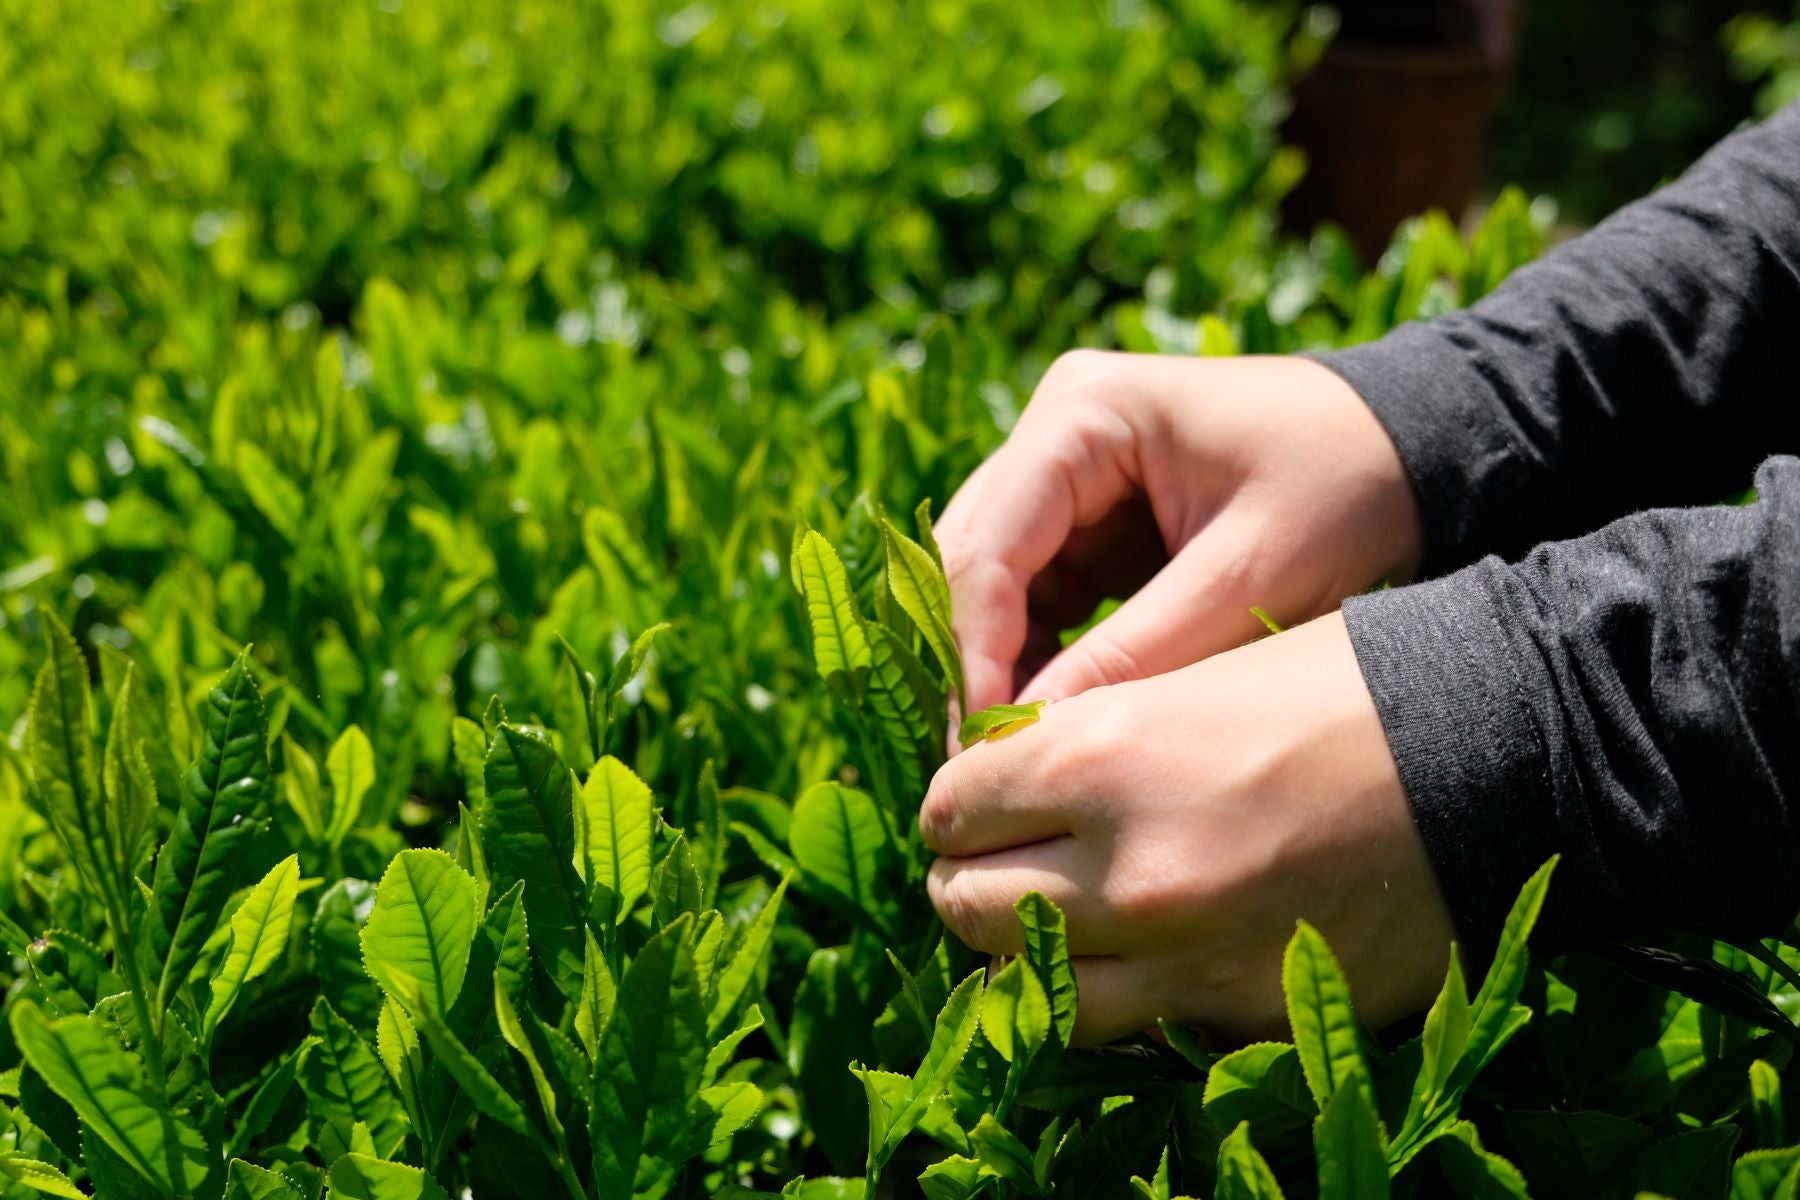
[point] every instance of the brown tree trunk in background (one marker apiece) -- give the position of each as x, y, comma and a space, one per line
1394, 117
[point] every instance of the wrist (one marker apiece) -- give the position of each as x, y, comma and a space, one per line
1386, 506
1350, 833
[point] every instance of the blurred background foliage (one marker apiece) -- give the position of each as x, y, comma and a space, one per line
1609, 98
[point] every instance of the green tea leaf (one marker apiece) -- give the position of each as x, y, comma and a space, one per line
840, 644
1243, 1173
1491, 1011
1351, 1148
917, 583
1002, 1153
908, 707
300, 785
1446, 1030
598, 995
721, 1110
738, 979
647, 1073
39, 1176
469, 744
614, 821
676, 886
245, 1181
1047, 950
1262, 1085
360, 1177
950, 1040
277, 1084
1015, 1013
841, 843
513, 1031
1476, 1173
998, 721
224, 804
632, 661
397, 1045
345, 1083
352, 766
462, 1064
60, 742
1324, 1024
422, 927
1770, 1122
274, 494
337, 955
114, 1100
719, 1057
528, 832
1766, 1174
129, 783
259, 934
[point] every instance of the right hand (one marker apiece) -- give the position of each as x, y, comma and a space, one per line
1192, 488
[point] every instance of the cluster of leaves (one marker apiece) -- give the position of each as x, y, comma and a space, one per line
202, 156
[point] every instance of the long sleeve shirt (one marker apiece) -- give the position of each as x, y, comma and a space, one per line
1627, 696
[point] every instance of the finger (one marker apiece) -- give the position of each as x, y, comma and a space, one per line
1196, 606
975, 896
1114, 997
1009, 521
991, 798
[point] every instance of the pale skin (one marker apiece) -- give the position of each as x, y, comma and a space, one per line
1193, 790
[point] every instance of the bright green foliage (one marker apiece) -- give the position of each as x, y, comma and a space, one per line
1325, 1031
613, 828
471, 675
222, 808
422, 928
259, 933
106, 1087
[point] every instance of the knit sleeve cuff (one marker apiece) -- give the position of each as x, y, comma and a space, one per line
1431, 394
1451, 689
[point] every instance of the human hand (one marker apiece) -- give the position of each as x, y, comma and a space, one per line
1183, 824
1205, 486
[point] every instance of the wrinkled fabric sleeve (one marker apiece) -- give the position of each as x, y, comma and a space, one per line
1628, 698
1653, 360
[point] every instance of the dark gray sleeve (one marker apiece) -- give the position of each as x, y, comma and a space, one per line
1630, 699
1653, 360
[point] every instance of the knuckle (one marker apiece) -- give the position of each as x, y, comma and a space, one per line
937, 814
1079, 363
1070, 376
1110, 662
955, 894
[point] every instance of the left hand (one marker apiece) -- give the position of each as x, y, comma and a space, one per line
1183, 823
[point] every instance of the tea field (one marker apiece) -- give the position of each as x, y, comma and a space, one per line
472, 645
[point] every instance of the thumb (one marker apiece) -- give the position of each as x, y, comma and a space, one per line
1197, 605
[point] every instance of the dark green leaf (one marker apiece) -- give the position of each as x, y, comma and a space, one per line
224, 804
528, 832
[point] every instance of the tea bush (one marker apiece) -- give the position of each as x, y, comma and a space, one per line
473, 646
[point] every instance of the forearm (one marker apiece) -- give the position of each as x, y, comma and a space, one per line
1649, 361
1630, 699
